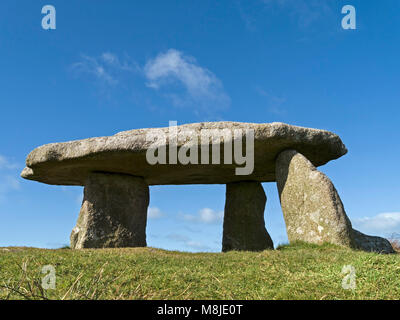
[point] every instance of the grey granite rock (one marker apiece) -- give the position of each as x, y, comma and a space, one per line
372, 243
70, 163
312, 208
244, 226
113, 213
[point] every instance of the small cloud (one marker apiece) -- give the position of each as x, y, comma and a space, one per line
205, 215
274, 103
110, 58
114, 61
12, 182
154, 213
94, 67
177, 237
384, 224
106, 68
6, 164
306, 12
196, 245
9, 181
248, 18
200, 86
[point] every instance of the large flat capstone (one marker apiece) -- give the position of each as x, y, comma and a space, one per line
70, 163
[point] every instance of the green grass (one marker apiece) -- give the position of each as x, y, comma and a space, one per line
297, 271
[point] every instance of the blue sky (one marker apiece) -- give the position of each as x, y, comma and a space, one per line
107, 68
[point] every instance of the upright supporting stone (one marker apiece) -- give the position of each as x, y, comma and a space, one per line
312, 207
244, 226
113, 213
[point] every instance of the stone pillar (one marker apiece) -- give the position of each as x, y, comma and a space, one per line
244, 226
113, 213
312, 207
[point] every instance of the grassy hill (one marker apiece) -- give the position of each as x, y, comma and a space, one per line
297, 271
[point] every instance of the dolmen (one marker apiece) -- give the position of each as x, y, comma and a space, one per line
116, 173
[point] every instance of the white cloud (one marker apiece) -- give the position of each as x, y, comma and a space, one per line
6, 164
105, 68
177, 237
201, 85
205, 215
110, 58
274, 103
248, 18
8, 181
94, 67
383, 224
12, 182
123, 65
154, 213
175, 76
306, 12
196, 245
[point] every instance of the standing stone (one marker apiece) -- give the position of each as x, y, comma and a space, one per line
244, 225
113, 213
312, 207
